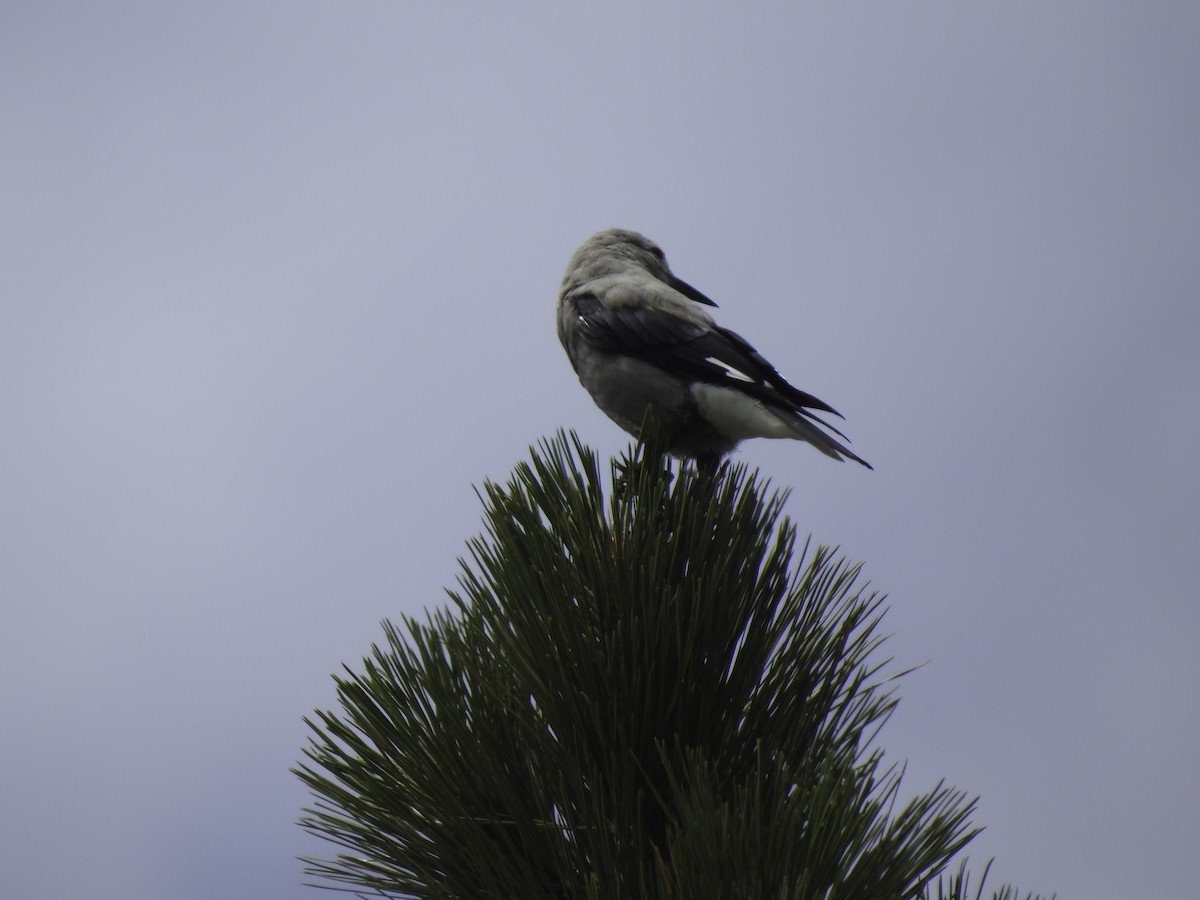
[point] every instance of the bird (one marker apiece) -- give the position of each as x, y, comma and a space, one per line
646, 349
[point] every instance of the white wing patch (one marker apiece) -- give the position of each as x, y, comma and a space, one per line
730, 370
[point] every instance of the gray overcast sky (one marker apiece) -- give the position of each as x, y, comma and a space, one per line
278, 288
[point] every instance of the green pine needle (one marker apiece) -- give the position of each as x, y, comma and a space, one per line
643, 689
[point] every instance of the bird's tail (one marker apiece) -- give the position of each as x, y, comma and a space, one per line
806, 430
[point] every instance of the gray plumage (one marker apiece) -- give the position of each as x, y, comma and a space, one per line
640, 339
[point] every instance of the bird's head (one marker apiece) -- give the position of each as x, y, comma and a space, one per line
618, 251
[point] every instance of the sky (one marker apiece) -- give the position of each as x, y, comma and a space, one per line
277, 287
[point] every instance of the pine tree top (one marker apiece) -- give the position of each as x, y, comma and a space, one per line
643, 688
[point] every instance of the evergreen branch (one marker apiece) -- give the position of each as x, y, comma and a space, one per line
642, 689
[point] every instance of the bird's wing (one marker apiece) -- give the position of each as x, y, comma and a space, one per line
691, 349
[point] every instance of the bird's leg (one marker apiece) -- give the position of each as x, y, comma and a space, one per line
707, 465
627, 471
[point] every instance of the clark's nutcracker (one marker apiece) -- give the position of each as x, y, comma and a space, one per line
640, 339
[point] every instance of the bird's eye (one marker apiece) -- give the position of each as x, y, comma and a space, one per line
657, 251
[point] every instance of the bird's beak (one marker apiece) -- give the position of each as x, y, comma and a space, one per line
690, 292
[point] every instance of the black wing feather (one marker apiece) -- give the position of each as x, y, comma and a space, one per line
692, 350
